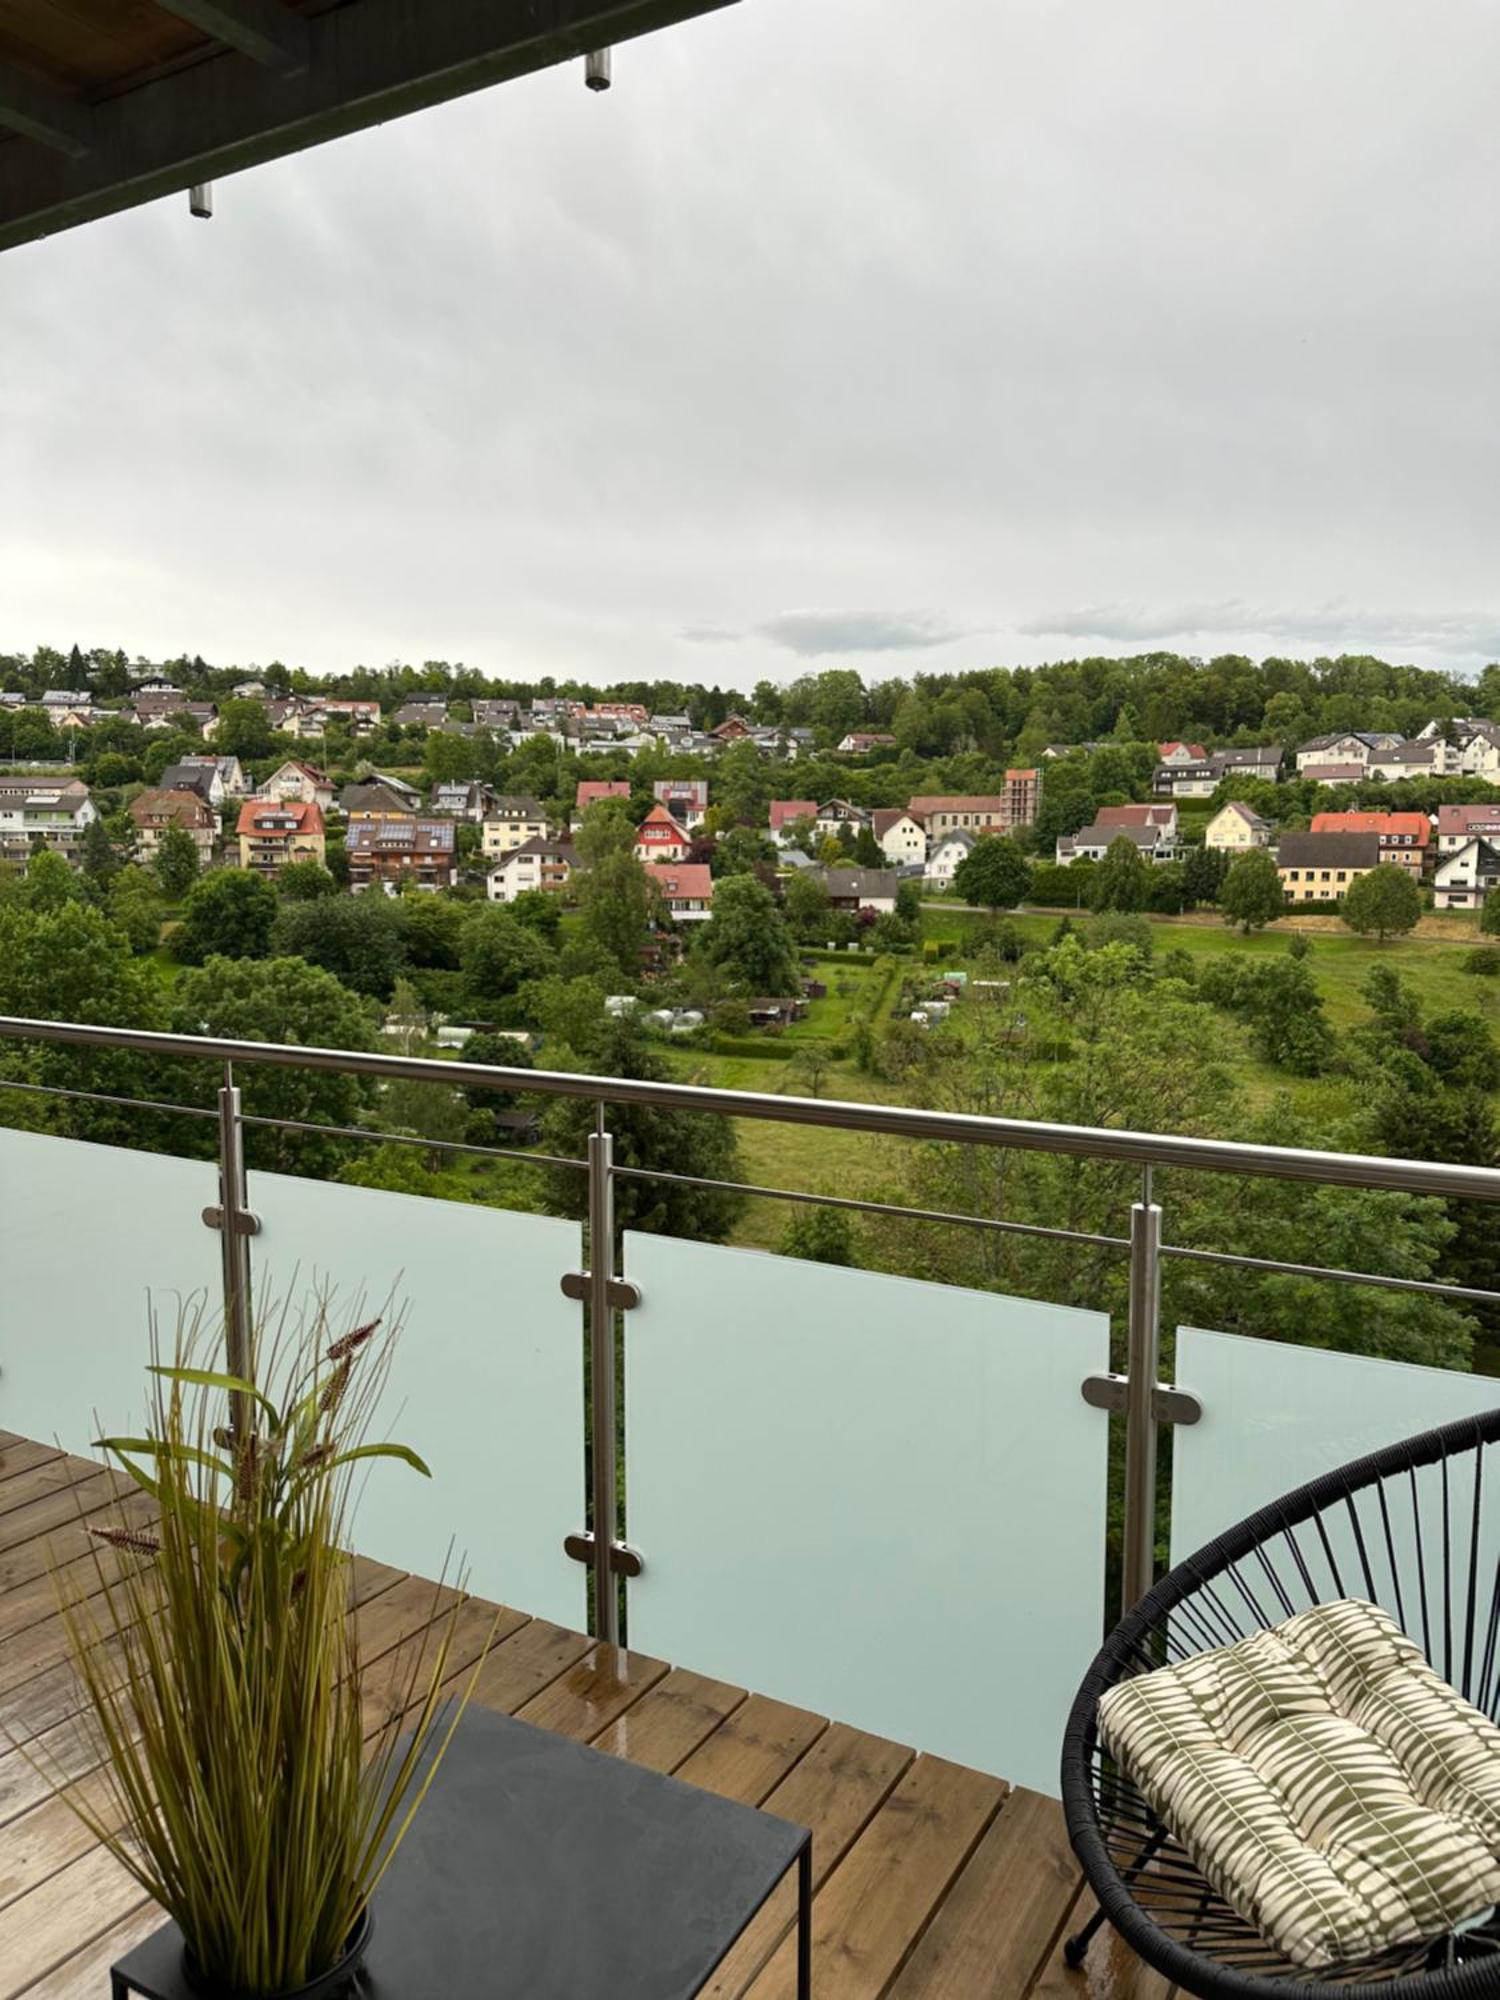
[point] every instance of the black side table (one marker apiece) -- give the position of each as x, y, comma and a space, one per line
539, 1869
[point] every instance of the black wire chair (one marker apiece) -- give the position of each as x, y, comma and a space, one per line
1412, 1528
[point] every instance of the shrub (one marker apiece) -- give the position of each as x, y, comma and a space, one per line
1483, 963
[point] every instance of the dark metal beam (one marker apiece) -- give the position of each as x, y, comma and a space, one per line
44, 115
369, 61
260, 29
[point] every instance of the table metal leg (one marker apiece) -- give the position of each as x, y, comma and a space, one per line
804, 1921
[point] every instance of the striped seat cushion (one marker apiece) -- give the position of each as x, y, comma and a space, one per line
1337, 1794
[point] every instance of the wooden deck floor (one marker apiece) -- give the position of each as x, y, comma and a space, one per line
934, 1882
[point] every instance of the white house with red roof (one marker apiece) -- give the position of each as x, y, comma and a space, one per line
660, 838
592, 790
1181, 753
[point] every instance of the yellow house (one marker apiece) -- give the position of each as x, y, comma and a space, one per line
273, 832
1235, 829
1319, 867
510, 823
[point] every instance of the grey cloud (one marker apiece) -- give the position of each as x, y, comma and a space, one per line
1471, 634
830, 306
811, 633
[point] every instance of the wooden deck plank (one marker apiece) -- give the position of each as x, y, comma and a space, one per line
670, 1721
879, 1899
836, 1789
522, 1666
752, 1752
30, 1563
590, 1695
85, 1976
30, 1530
1110, 1972
22, 1454
53, 1475
40, 1931
1004, 1913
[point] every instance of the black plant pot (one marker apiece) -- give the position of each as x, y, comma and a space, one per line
331, 1985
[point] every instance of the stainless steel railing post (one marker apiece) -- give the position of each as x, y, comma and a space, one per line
604, 1482
235, 1225
1143, 1366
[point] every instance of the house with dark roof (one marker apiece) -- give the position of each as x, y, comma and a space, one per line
1467, 875
1319, 867
862, 888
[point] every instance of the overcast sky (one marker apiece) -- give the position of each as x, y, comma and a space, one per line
841, 332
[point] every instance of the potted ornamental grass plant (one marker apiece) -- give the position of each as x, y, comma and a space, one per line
220, 1668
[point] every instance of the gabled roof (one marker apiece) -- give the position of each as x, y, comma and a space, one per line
1328, 850
1468, 819
591, 790
422, 838
1394, 826
1137, 815
783, 811
865, 883
683, 881
515, 805
660, 817
951, 802
268, 818
885, 817
183, 808
539, 848
378, 798
1246, 813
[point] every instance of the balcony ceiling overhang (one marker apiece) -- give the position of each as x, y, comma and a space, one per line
105, 104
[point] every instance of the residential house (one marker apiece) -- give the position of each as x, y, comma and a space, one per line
1260, 760
377, 800
542, 863
1403, 836
834, 815
686, 799
154, 683
497, 714
733, 729
783, 814
1435, 758
1319, 867
294, 780
1332, 774
1478, 747
200, 715
1181, 753
1092, 843
660, 838
462, 798
43, 812
1458, 825
151, 813
200, 775
231, 772
1162, 816
157, 711
859, 742
361, 718
1235, 829
945, 854
248, 691
862, 888
687, 889
592, 790
273, 832
422, 711
394, 854
510, 823
1466, 875
1347, 746
634, 713
1186, 781
902, 839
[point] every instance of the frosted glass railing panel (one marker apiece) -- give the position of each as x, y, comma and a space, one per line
487, 1382
1276, 1416
879, 1499
93, 1241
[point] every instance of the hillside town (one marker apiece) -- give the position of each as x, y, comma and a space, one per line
387, 792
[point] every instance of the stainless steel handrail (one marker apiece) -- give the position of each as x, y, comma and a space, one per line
1146, 1149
